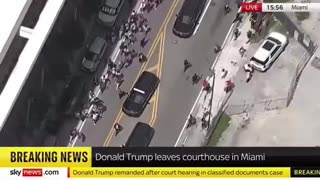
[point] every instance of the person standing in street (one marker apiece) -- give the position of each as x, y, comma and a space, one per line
122, 93
236, 33
238, 18
82, 136
226, 9
191, 121
95, 117
157, 3
187, 65
142, 58
206, 85
118, 128
195, 78
242, 51
73, 134
217, 49
119, 81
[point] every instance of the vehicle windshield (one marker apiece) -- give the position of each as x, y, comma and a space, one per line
109, 10
259, 61
274, 40
89, 56
137, 97
186, 19
268, 45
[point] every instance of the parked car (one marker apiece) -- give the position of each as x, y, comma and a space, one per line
141, 136
94, 54
268, 52
188, 18
109, 12
140, 94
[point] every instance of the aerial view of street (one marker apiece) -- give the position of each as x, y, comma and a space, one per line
176, 73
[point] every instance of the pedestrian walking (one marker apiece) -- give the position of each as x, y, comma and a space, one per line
157, 3
132, 40
77, 115
195, 78
122, 93
119, 81
187, 65
96, 81
146, 28
105, 80
149, 6
143, 42
248, 67
229, 86
110, 64
238, 18
206, 85
142, 58
118, 128
242, 51
95, 117
121, 64
226, 9
248, 76
143, 6
224, 73
82, 137
91, 95
236, 33
73, 134
133, 53
128, 62
96, 101
113, 37
217, 49
249, 36
204, 123
191, 121
102, 108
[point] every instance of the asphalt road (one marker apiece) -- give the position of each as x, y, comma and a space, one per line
170, 106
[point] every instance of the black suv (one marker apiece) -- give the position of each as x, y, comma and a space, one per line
141, 136
140, 94
188, 18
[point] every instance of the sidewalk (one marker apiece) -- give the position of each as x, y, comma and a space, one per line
230, 60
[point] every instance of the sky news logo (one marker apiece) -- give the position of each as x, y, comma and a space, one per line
26, 172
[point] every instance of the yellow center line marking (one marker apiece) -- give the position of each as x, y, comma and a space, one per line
152, 99
159, 73
153, 114
151, 51
153, 68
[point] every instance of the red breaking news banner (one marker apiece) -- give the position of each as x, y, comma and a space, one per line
251, 7
32, 172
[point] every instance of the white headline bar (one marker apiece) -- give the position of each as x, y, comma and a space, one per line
33, 173
290, 7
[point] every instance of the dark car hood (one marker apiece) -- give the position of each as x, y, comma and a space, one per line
180, 27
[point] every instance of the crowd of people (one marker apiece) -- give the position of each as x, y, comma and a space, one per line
136, 24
